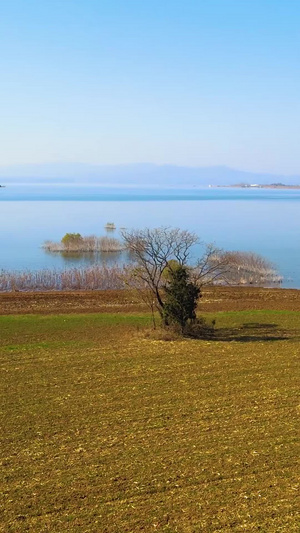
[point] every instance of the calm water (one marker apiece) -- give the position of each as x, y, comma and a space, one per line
263, 221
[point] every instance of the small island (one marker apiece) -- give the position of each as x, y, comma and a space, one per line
76, 243
110, 226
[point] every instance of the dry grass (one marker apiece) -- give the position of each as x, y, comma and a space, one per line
106, 431
96, 277
159, 334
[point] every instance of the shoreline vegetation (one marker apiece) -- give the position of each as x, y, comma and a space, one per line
96, 277
101, 277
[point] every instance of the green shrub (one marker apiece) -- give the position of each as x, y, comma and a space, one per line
181, 298
70, 240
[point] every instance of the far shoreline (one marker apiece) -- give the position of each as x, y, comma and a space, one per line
256, 186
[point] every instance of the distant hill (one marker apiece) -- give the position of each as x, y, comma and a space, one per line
138, 175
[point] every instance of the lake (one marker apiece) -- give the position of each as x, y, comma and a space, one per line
259, 220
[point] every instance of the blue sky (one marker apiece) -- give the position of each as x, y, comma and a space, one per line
192, 82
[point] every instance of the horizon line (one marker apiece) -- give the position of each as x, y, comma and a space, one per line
145, 163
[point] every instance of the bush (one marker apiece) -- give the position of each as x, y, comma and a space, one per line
181, 298
70, 240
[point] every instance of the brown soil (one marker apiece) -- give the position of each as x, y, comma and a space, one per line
214, 299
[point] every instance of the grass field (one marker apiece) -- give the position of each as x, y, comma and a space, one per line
105, 430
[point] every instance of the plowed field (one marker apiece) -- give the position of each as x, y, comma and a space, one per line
214, 299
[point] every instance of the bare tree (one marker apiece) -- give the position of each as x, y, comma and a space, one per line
153, 251
157, 251
130, 276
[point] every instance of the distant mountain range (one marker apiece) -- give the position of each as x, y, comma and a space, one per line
138, 175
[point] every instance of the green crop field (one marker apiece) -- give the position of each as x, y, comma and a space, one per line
106, 429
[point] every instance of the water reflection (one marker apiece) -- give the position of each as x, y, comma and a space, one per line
78, 259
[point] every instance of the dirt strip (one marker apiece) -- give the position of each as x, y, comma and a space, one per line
213, 299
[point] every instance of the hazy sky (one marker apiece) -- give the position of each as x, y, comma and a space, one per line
191, 82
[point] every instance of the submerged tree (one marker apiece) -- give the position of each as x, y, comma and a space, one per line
234, 268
